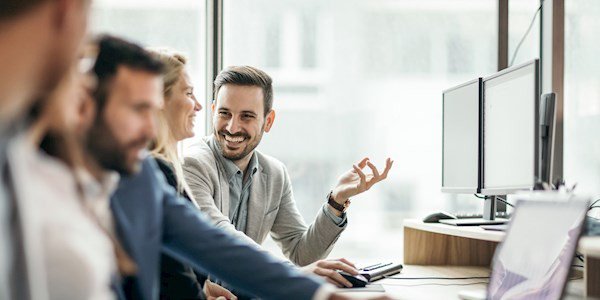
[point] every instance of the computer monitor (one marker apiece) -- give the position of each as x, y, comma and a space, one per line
511, 130
547, 121
461, 137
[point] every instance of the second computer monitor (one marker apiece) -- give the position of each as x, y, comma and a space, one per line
510, 130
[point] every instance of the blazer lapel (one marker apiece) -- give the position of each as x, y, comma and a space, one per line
122, 225
257, 205
224, 190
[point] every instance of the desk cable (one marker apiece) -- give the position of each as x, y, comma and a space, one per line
537, 11
439, 284
437, 278
593, 205
497, 199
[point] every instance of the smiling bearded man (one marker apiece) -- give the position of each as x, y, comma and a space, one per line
250, 194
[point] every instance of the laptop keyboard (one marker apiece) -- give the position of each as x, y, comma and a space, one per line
375, 267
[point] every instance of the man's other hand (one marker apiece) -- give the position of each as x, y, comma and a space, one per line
214, 291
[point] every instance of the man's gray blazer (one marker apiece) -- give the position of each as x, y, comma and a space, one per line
271, 206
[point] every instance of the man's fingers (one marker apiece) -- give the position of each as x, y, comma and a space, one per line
363, 162
333, 275
215, 291
347, 262
373, 178
373, 169
339, 278
334, 282
339, 265
227, 294
363, 178
388, 165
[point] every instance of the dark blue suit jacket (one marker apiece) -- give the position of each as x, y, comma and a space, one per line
150, 218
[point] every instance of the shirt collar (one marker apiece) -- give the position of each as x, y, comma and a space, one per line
9, 133
98, 189
230, 168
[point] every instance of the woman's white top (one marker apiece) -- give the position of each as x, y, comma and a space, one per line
78, 256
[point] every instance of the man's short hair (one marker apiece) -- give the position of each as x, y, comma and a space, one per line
247, 76
13, 8
114, 52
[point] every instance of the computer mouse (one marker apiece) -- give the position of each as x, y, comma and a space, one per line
437, 216
357, 281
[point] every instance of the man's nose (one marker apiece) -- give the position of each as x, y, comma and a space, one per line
233, 125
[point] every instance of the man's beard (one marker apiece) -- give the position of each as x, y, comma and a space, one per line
63, 145
108, 152
247, 150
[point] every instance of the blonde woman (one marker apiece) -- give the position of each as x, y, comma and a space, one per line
175, 123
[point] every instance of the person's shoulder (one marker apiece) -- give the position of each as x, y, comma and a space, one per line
200, 161
145, 178
163, 164
200, 152
152, 166
167, 169
270, 164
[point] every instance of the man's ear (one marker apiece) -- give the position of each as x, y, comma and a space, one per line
269, 119
212, 107
60, 12
64, 11
87, 115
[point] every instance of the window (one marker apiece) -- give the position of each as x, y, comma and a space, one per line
582, 96
520, 15
364, 78
176, 24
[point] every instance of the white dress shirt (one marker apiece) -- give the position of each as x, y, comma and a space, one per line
5, 226
78, 255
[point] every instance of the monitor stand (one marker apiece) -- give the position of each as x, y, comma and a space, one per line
489, 216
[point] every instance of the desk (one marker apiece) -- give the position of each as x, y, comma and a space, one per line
439, 244
428, 288
443, 289
590, 248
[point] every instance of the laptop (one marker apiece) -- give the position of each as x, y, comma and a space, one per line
534, 260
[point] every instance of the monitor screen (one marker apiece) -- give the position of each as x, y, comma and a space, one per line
460, 138
510, 131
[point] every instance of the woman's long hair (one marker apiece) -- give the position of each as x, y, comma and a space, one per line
164, 146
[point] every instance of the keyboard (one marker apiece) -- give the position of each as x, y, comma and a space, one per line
380, 270
503, 215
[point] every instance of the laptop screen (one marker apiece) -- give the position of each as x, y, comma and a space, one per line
534, 260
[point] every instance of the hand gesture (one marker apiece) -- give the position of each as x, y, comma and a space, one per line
355, 181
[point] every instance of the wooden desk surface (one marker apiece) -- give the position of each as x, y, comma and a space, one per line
428, 288
590, 246
587, 245
472, 232
439, 288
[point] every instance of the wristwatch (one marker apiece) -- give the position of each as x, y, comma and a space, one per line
339, 207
